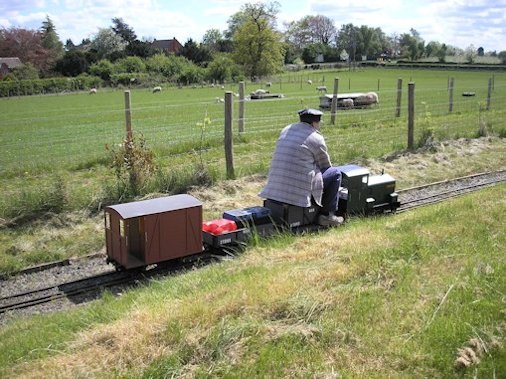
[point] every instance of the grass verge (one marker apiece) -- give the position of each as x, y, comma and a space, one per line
419, 294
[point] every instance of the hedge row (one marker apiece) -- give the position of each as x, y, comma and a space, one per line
52, 85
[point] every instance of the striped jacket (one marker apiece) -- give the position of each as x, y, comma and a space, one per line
296, 168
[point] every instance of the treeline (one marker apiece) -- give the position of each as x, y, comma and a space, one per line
252, 47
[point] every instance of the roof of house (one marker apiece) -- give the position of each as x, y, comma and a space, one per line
172, 45
11, 62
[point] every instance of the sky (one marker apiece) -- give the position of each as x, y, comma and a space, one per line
460, 23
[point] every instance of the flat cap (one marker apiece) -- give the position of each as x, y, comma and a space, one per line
310, 111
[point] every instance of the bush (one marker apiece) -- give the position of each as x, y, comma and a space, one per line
128, 79
53, 85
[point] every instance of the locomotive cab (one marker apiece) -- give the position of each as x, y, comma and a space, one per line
366, 193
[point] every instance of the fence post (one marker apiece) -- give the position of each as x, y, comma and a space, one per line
411, 114
489, 94
241, 107
333, 107
229, 155
349, 84
399, 95
378, 85
451, 95
128, 116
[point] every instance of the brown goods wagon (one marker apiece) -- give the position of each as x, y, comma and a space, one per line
147, 232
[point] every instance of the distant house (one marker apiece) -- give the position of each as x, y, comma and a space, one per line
167, 45
7, 65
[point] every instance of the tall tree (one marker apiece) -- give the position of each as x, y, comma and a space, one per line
347, 39
249, 12
212, 39
50, 39
258, 47
122, 29
107, 44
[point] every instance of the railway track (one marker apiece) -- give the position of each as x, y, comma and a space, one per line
94, 285
410, 198
432, 193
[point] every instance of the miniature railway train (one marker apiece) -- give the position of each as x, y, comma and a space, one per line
143, 233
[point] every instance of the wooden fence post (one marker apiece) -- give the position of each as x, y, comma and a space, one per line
399, 96
451, 95
229, 154
489, 94
378, 85
411, 114
128, 116
333, 106
241, 107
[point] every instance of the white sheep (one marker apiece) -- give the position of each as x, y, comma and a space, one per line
372, 97
366, 99
309, 81
157, 89
348, 103
268, 84
93, 91
321, 89
219, 100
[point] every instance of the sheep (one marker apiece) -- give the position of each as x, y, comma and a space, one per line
347, 103
309, 81
268, 84
157, 89
368, 98
372, 97
260, 91
321, 89
93, 91
219, 100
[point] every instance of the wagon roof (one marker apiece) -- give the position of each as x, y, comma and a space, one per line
155, 206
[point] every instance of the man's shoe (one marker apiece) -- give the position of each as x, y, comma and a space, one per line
330, 220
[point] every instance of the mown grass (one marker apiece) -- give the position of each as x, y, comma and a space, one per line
394, 296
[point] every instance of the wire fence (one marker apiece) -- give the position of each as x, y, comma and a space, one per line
78, 130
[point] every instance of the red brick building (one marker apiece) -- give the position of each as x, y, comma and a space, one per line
167, 45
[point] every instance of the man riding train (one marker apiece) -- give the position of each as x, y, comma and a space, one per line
301, 173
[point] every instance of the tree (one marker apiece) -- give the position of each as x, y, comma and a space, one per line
223, 68
470, 54
130, 65
103, 68
258, 47
370, 42
412, 45
50, 39
502, 55
310, 30
107, 44
347, 39
123, 30
248, 12
212, 39
200, 55
27, 46
69, 45
72, 63
481, 51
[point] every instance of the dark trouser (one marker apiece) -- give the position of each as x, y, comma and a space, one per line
331, 182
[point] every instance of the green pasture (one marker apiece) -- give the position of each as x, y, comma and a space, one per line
67, 138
